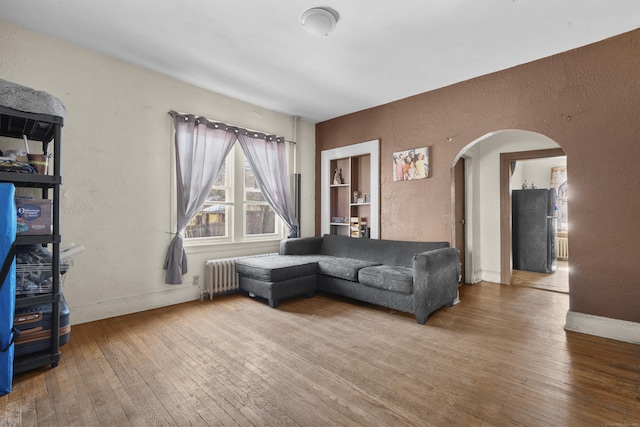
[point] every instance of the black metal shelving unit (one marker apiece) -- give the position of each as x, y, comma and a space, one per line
45, 129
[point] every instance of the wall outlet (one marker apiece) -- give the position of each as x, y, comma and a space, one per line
196, 280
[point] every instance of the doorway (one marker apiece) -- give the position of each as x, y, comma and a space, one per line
542, 174
483, 222
507, 162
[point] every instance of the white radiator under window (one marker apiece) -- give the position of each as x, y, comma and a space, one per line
562, 245
221, 276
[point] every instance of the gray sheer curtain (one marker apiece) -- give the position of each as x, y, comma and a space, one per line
201, 147
266, 155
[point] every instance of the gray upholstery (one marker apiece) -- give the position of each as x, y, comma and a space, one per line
275, 268
342, 268
357, 291
388, 277
306, 246
273, 292
388, 252
415, 277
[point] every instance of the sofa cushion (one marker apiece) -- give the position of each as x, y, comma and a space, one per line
276, 268
387, 277
387, 252
342, 268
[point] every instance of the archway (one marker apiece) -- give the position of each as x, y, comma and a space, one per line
486, 241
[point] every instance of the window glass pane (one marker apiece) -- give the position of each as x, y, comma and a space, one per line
249, 179
260, 219
217, 195
254, 196
221, 179
251, 191
211, 221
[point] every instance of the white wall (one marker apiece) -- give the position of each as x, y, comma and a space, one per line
536, 171
483, 197
116, 162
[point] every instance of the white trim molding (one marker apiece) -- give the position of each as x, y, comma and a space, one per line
487, 276
605, 327
119, 306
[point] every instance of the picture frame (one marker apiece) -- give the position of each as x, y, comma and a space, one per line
411, 164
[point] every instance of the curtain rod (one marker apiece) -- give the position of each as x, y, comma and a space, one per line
175, 113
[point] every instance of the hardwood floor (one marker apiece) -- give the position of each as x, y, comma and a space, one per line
500, 357
558, 281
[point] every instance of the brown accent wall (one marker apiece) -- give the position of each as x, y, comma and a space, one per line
587, 100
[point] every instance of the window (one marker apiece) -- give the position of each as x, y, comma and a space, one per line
234, 213
213, 218
259, 218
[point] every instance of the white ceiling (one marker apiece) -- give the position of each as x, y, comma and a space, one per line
380, 51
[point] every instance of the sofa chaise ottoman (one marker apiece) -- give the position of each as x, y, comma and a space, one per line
276, 277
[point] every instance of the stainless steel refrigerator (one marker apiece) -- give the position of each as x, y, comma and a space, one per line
534, 226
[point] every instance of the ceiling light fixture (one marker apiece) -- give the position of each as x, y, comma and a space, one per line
319, 21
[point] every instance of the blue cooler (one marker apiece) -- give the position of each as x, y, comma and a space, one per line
8, 283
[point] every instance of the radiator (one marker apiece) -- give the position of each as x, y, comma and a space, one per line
563, 247
221, 276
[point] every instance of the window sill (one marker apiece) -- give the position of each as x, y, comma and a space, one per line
249, 246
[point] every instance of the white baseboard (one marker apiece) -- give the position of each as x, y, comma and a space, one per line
488, 276
620, 330
104, 309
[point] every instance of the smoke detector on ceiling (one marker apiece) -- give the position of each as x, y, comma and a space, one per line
319, 21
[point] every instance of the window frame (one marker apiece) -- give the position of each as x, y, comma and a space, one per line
236, 206
279, 225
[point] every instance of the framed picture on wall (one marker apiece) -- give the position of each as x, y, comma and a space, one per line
411, 164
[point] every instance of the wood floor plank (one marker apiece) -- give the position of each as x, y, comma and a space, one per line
234, 344
499, 358
131, 373
186, 388
337, 365
78, 397
96, 375
199, 367
557, 281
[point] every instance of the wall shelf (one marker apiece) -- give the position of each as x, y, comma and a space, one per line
360, 169
44, 129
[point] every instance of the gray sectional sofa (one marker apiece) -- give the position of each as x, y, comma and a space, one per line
413, 277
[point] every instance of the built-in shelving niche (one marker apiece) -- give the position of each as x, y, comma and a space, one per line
360, 164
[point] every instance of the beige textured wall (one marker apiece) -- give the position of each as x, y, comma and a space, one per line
116, 166
586, 100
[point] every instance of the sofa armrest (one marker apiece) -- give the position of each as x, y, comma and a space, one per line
300, 246
435, 280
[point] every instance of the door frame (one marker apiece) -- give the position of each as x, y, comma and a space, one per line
505, 203
459, 198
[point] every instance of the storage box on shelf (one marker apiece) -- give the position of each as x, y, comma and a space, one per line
43, 129
34, 216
